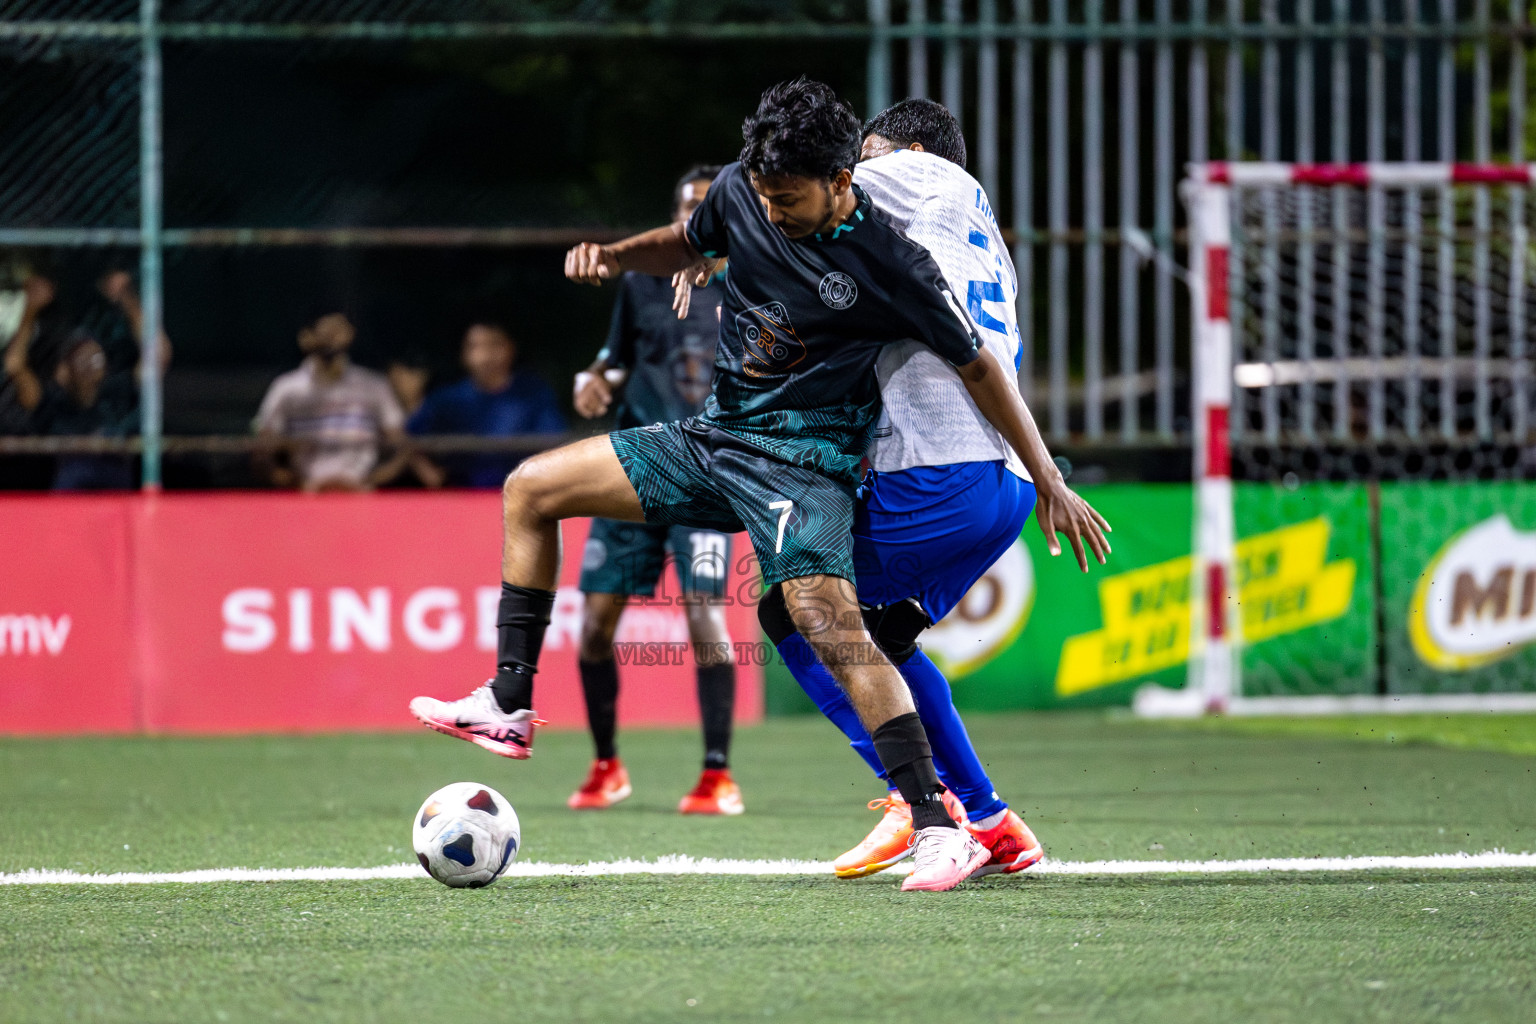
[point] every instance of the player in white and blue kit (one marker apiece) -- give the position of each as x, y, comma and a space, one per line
944, 495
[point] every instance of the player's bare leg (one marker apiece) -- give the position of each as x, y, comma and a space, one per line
580, 479
583, 478
826, 612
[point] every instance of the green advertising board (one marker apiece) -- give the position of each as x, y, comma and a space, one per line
1459, 587
1036, 632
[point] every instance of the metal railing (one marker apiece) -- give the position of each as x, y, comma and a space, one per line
1081, 115
1288, 86
239, 444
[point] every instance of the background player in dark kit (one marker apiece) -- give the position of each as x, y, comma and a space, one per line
664, 364
818, 283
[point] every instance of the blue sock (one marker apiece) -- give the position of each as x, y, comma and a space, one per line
819, 685
953, 754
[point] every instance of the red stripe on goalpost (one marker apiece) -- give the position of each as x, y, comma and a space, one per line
1216, 304
1216, 601
1261, 174
1218, 447
1330, 174
1490, 174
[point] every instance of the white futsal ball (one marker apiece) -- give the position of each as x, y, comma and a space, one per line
465, 835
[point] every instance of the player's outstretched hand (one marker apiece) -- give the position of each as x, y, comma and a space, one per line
1059, 510
682, 292
590, 263
592, 395
685, 281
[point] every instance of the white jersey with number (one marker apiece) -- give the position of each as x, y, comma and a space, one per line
929, 419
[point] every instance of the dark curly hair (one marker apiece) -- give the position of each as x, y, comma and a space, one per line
800, 128
924, 122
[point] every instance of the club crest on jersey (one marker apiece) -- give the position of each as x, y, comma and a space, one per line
838, 290
769, 343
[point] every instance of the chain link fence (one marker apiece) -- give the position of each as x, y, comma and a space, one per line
424, 158
1385, 324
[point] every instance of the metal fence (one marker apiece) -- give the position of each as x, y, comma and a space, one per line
1081, 115
1096, 153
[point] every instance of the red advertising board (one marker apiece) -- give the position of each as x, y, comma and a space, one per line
67, 652
279, 612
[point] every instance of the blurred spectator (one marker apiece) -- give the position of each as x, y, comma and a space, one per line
116, 321
73, 387
338, 416
409, 376
493, 401
81, 400
31, 334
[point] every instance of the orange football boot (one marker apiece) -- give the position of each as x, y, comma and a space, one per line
1014, 847
716, 793
607, 783
889, 841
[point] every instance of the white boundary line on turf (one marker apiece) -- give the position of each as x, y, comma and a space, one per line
685, 865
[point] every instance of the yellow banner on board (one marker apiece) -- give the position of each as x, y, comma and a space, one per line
1283, 585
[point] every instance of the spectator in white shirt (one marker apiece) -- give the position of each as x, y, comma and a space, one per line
330, 421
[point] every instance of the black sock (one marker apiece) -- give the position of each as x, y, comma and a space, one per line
600, 685
520, 624
908, 760
717, 705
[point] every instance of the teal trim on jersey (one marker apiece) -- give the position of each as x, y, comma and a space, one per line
858, 214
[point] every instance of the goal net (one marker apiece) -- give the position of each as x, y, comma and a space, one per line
1367, 324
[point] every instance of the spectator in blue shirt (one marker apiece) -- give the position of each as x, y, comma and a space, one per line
493, 401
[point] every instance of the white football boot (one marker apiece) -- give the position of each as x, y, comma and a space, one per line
943, 857
478, 719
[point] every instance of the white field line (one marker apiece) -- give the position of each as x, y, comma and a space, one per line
685, 865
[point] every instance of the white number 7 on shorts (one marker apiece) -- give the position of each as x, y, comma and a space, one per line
784, 508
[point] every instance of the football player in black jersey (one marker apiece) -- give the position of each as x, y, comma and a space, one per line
818, 283
664, 364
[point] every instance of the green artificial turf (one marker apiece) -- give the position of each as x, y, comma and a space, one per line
1511, 734
1390, 946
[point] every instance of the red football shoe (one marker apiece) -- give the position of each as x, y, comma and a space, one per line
607, 783
716, 793
1013, 846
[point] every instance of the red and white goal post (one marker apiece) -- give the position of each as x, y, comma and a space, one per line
1350, 304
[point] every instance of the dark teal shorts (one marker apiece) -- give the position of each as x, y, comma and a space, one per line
689, 474
628, 558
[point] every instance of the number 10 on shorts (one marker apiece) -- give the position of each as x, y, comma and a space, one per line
783, 508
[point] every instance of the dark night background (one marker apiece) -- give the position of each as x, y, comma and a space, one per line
478, 133
482, 134
490, 133
455, 136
